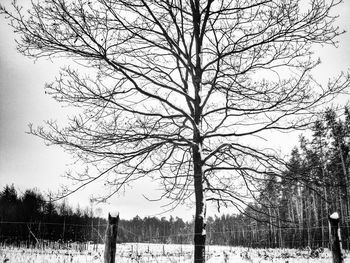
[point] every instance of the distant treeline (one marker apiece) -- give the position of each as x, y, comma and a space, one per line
29, 216
291, 211
294, 206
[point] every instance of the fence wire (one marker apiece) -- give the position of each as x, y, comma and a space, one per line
287, 237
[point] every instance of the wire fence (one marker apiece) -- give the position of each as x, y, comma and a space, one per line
85, 242
60, 235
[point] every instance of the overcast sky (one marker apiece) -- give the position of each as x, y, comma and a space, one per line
26, 162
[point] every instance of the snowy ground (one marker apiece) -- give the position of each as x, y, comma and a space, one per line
158, 253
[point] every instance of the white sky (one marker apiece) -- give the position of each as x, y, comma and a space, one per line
27, 163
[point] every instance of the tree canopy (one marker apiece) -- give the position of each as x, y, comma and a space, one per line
180, 90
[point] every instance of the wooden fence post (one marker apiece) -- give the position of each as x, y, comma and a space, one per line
111, 238
336, 245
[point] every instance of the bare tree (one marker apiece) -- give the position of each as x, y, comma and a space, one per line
180, 91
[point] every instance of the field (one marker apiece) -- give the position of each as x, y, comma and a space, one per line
158, 253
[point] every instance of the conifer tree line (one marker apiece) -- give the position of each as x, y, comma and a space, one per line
290, 212
293, 211
29, 217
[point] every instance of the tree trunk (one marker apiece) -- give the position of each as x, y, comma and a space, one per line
270, 229
199, 223
346, 179
281, 243
325, 191
111, 239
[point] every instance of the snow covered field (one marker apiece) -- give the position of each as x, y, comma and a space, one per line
144, 253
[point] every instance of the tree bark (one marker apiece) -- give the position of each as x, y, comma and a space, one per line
111, 239
199, 223
346, 178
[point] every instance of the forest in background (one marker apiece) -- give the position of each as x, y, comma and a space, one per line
29, 217
292, 211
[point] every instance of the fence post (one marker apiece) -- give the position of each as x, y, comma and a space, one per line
111, 238
336, 245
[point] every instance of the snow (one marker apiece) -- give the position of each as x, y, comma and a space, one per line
114, 214
200, 150
142, 252
335, 215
